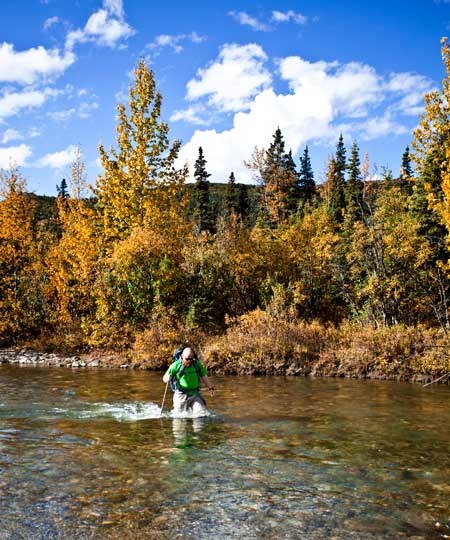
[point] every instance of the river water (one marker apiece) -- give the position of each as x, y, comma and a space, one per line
85, 454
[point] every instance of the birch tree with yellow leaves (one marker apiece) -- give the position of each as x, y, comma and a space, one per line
141, 213
21, 308
71, 261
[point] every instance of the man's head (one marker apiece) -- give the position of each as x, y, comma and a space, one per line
187, 356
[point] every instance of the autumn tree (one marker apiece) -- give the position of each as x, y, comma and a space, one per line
431, 155
22, 309
431, 143
72, 260
140, 182
142, 214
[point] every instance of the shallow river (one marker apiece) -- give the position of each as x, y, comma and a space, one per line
85, 454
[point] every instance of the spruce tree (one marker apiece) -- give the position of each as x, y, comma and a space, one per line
61, 189
244, 203
307, 186
406, 170
202, 210
231, 196
354, 186
336, 178
280, 181
293, 184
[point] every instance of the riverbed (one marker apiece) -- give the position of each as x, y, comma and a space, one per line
87, 454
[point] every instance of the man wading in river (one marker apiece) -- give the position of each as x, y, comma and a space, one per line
185, 375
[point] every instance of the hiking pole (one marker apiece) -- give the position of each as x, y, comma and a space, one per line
164, 398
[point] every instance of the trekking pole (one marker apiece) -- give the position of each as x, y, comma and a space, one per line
164, 398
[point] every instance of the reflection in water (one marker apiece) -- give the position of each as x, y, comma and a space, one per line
88, 455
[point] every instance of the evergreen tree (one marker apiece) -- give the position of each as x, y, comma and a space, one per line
244, 207
307, 185
280, 181
202, 210
336, 179
406, 170
293, 186
231, 196
62, 189
354, 186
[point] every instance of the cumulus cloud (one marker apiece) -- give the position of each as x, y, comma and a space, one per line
31, 65
233, 79
323, 98
105, 27
58, 160
287, 16
243, 18
174, 42
12, 102
14, 155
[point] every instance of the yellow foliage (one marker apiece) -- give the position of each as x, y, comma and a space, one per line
18, 250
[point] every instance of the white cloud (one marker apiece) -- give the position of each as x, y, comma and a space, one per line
62, 116
174, 41
286, 16
27, 67
12, 103
14, 155
104, 27
191, 115
323, 99
48, 23
115, 7
33, 132
233, 79
85, 109
11, 135
411, 87
245, 19
58, 160
381, 126
166, 40
345, 89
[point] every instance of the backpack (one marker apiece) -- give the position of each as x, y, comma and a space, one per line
174, 379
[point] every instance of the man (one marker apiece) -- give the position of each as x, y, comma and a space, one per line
185, 374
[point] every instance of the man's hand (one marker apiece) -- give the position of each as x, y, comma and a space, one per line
212, 391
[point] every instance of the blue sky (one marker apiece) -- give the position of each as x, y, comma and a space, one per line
229, 72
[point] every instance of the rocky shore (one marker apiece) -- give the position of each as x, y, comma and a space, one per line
25, 358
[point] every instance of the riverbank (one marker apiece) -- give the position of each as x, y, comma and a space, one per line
29, 358
259, 344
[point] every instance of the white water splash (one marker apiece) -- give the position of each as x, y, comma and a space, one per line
123, 412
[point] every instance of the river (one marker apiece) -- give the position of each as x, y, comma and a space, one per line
85, 454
